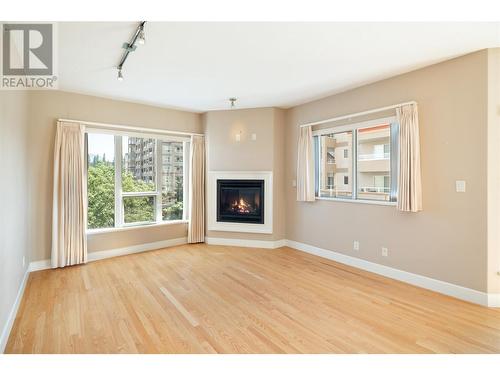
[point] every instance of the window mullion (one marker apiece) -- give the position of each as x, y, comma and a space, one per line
118, 182
159, 180
394, 155
354, 152
185, 180
317, 165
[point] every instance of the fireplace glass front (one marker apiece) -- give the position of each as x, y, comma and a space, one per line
240, 201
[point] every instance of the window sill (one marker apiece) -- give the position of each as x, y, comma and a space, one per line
362, 201
131, 227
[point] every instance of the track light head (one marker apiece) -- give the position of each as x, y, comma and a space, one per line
120, 75
142, 37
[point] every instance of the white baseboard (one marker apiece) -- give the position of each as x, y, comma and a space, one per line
439, 286
39, 265
103, 254
494, 300
97, 255
13, 313
245, 243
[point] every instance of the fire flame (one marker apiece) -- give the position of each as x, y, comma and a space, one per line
241, 206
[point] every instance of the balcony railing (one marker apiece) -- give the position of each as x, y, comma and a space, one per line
384, 156
374, 189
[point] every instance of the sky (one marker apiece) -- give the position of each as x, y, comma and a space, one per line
99, 144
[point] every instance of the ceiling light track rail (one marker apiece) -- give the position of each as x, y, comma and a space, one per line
131, 47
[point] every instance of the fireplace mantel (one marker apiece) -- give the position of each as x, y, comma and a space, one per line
213, 224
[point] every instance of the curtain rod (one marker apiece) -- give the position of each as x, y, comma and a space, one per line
134, 128
358, 114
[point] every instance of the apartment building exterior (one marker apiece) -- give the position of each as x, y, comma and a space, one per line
336, 164
140, 162
172, 168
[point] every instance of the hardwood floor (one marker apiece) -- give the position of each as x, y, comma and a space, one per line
221, 299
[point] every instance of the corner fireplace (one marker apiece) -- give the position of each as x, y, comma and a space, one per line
240, 201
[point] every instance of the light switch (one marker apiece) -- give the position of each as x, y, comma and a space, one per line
294, 183
460, 186
254, 137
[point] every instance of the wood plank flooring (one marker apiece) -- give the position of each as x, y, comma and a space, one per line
221, 299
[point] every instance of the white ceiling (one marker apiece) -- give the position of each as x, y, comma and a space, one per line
198, 66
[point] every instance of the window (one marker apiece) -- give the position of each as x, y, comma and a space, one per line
138, 209
100, 181
374, 162
332, 172
370, 175
330, 181
172, 192
145, 186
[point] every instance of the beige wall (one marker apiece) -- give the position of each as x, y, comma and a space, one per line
13, 199
448, 240
266, 153
279, 224
493, 170
45, 108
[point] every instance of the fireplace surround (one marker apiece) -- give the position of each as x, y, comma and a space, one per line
240, 202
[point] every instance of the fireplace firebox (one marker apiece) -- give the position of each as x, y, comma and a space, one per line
240, 201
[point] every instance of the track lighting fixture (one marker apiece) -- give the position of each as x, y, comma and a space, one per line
139, 38
142, 37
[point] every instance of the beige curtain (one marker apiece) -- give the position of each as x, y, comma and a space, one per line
409, 178
305, 165
196, 227
69, 212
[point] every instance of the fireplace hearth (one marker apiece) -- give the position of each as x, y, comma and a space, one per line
240, 201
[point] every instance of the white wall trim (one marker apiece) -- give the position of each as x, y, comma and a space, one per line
439, 286
494, 300
39, 265
97, 255
13, 313
103, 254
245, 243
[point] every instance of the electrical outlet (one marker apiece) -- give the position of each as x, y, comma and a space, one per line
385, 252
355, 245
24, 261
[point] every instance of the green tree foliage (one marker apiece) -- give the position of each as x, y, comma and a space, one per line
101, 197
173, 201
173, 212
139, 209
129, 184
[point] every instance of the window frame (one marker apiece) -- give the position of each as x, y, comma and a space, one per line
394, 158
119, 214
